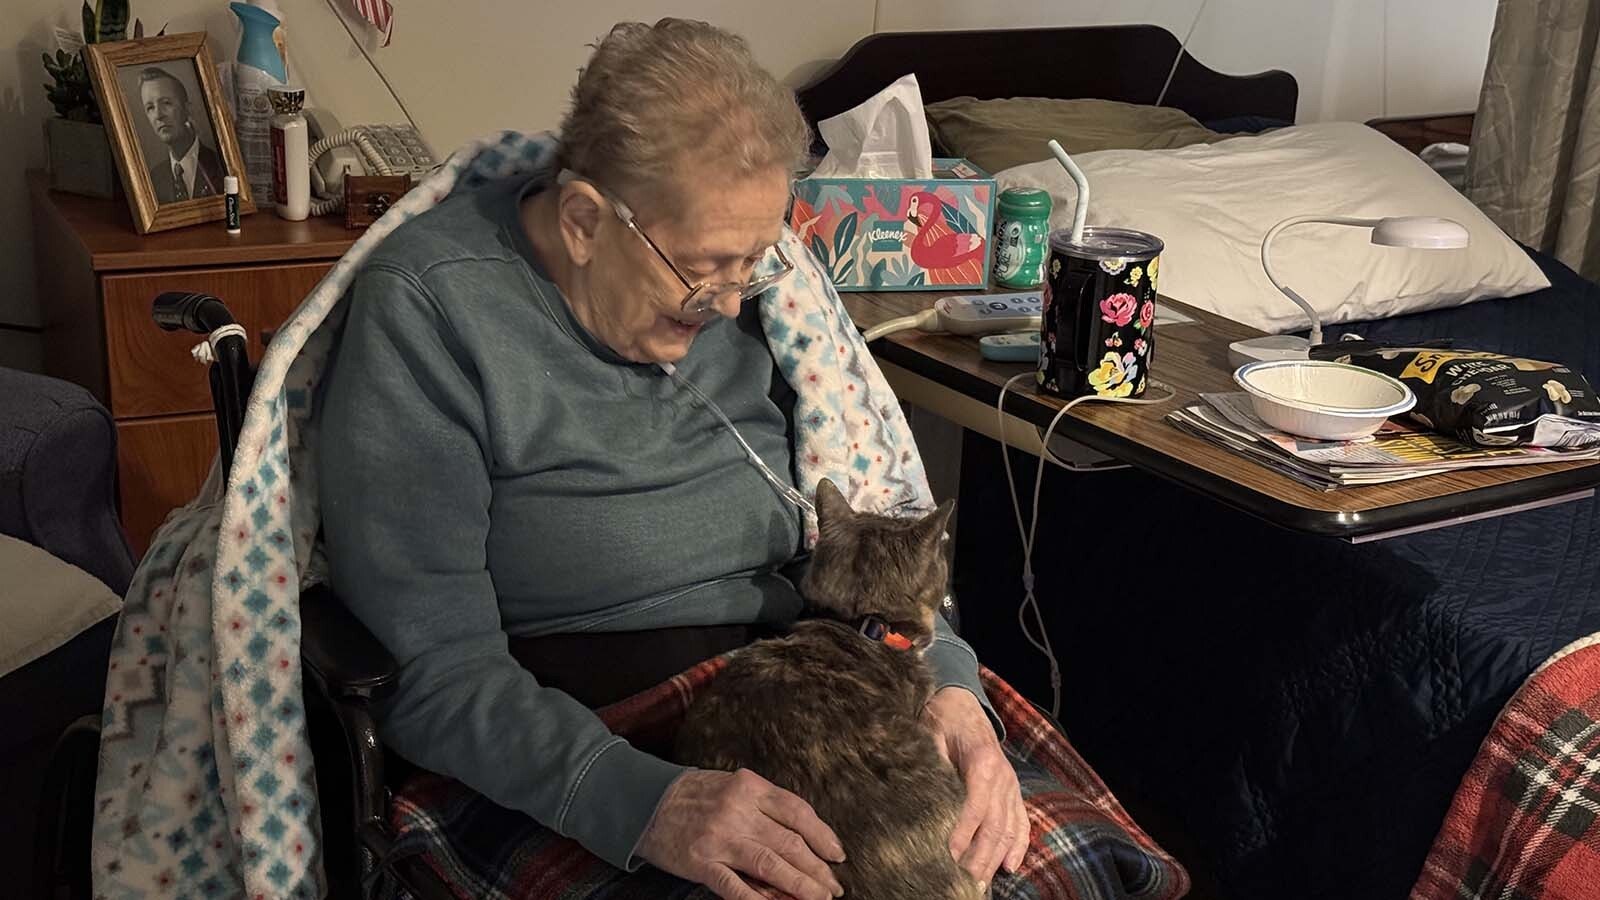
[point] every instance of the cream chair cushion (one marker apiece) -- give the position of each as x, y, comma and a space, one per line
44, 603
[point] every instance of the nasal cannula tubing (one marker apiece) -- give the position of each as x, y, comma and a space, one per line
784, 489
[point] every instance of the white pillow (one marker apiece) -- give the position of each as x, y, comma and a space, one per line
1213, 203
44, 603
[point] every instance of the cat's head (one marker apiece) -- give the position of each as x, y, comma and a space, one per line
865, 564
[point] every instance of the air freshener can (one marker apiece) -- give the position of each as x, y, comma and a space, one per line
1098, 330
1021, 237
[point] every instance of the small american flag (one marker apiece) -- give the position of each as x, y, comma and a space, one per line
380, 13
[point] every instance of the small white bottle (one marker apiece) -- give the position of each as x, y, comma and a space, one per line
291, 163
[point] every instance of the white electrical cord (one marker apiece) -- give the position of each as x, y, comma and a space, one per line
1181, 48
1027, 532
783, 488
1077, 467
927, 320
359, 45
1042, 642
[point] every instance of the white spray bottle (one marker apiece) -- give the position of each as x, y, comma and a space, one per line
260, 67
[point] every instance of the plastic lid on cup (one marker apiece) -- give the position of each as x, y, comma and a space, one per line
1102, 242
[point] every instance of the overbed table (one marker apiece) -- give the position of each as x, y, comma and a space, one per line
945, 374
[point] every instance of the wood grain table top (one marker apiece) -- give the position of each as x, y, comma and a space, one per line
1192, 358
105, 229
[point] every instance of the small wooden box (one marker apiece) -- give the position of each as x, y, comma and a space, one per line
368, 197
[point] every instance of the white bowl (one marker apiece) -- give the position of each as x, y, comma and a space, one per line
1327, 401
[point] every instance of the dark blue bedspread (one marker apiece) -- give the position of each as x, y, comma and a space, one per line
1292, 714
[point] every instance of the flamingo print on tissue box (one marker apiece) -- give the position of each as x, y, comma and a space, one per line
892, 234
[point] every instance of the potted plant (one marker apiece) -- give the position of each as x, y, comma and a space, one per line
79, 155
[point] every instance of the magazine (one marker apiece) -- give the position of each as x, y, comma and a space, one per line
1396, 452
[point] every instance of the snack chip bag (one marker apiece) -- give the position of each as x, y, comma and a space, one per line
1484, 399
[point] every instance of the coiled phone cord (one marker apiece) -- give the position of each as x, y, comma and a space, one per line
369, 151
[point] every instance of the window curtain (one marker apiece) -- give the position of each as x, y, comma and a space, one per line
1534, 167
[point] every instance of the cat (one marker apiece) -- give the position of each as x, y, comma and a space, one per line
832, 710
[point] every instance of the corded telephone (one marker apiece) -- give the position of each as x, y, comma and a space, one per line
360, 150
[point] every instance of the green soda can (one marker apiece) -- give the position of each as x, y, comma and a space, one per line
1021, 237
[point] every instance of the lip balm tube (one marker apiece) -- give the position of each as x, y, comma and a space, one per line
230, 190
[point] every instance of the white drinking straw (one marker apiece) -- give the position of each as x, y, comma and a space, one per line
1078, 178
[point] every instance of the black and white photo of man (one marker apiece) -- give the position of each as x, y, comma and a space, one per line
183, 158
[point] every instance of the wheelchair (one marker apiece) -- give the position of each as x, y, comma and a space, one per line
347, 670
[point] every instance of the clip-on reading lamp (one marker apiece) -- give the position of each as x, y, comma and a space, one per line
1416, 232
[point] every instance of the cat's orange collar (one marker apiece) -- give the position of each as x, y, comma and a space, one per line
877, 630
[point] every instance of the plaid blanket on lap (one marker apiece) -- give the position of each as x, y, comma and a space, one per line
1083, 844
1525, 822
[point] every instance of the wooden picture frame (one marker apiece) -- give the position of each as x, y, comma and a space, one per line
147, 93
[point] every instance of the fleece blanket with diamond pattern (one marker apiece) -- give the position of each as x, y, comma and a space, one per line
205, 783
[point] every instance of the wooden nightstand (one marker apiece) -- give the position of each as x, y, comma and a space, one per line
1416, 132
96, 280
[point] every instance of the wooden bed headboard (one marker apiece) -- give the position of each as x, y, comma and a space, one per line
1107, 62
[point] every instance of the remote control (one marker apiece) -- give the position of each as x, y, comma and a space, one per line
1010, 347
990, 313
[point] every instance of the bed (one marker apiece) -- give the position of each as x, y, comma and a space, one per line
1290, 715
1112, 62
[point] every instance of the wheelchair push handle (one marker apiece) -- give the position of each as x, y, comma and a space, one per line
190, 311
230, 373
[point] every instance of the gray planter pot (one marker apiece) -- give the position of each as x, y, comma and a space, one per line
80, 159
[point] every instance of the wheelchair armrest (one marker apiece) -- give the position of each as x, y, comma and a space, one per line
347, 670
339, 653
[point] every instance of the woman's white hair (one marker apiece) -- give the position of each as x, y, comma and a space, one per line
654, 100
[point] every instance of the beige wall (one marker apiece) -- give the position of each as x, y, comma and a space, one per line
1353, 59
516, 71
464, 74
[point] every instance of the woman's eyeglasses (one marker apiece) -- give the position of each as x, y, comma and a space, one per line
702, 300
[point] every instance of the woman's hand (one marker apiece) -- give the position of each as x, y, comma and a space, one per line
993, 828
712, 826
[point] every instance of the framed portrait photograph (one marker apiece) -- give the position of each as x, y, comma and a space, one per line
169, 129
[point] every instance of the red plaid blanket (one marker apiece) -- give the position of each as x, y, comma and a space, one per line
1083, 843
1525, 822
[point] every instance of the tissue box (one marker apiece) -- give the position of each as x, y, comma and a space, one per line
900, 234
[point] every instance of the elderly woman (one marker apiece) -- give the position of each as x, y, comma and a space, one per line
537, 519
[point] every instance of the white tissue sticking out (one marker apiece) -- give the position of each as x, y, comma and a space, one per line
885, 137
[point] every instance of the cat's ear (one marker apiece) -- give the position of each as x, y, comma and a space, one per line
937, 522
831, 504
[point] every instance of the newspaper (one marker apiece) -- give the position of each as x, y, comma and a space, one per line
1398, 451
